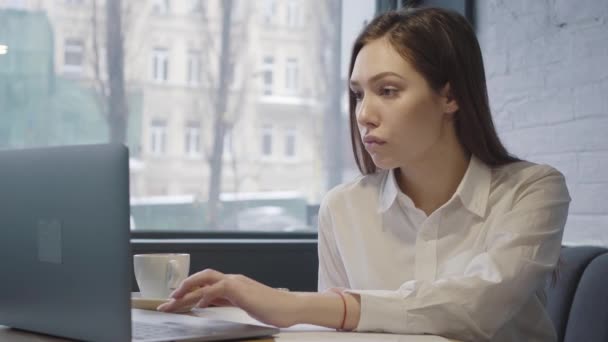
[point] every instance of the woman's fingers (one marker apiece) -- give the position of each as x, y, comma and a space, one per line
200, 279
177, 303
213, 293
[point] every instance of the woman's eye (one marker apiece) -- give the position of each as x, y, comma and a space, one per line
358, 95
388, 91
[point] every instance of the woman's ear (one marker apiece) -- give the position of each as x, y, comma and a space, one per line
450, 106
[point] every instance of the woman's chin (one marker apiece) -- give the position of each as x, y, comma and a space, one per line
384, 163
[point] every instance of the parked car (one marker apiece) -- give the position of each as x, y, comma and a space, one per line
266, 219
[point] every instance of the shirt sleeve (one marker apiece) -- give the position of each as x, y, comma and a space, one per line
522, 249
331, 269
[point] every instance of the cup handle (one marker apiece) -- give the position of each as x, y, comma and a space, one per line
172, 275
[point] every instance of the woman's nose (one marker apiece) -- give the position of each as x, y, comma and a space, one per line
366, 115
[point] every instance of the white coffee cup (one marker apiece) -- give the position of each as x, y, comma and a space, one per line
158, 275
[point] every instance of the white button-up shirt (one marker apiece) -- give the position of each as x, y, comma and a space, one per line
473, 270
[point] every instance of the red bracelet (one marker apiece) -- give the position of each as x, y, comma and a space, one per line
343, 304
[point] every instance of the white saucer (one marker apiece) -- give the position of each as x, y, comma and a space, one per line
139, 302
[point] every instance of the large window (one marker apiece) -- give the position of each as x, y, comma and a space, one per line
225, 124
262, 90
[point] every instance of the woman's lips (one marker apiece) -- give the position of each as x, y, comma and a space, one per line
372, 143
370, 139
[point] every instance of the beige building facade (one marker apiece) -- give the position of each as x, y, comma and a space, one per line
274, 107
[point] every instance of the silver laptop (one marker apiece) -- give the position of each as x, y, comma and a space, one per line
65, 255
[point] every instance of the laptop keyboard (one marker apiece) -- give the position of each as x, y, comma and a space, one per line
168, 330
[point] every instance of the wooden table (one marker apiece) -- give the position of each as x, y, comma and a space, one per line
297, 333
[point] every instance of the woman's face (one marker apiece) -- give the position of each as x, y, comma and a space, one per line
401, 119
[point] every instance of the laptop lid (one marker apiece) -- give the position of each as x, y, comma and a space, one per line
64, 241
65, 253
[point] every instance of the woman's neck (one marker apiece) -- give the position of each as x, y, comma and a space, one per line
431, 182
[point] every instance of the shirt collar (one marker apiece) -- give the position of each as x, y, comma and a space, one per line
473, 190
388, 191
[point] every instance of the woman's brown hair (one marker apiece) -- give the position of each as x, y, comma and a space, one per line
441, 45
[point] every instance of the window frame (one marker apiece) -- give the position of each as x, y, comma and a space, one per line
268, 75
267, 132
292, 74
291, 132
160, 65
292, 15
158, 131
192, 137
269, 13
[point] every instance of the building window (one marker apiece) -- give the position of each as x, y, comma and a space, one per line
291, 75
161, 7
293, 15
269, 12
290, 142
267, 140
158, 137
194, 67
160, 65
73, 53
267, 71
193, 139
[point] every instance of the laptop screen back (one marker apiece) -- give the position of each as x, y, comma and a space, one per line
64, 241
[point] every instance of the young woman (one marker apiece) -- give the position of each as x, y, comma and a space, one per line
445, 233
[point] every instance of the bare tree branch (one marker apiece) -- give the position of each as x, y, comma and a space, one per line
99, 84
228, 108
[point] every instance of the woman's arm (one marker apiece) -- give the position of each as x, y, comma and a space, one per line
331, 268
272, 306
327, 309
264, 303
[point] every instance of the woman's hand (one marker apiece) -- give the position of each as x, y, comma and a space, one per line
209, 287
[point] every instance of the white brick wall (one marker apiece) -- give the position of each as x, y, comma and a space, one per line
547, 68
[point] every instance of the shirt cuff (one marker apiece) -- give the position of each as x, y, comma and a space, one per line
381, 311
